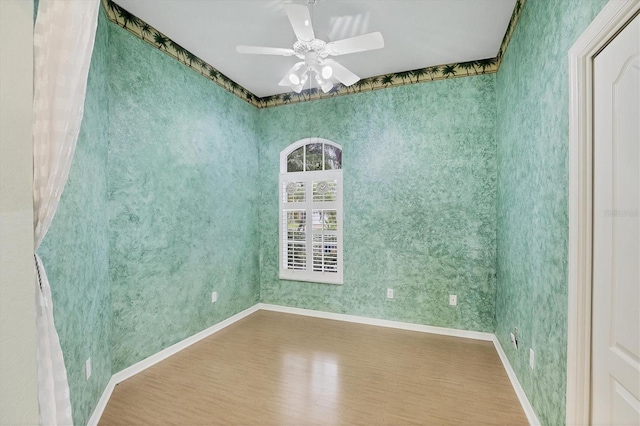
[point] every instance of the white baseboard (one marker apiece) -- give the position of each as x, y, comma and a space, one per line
477, 335
162, 355
102, 403
165, 353
524, 401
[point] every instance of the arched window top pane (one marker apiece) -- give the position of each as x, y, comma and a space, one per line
332, 157
295, 160
308, 155
313, 157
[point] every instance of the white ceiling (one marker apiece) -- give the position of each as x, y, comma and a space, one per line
417, 33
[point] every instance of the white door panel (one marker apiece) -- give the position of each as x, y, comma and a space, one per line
625, 406
616, 234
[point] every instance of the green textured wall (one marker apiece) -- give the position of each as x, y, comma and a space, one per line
183, 201
75, 251
419, 202
533, 132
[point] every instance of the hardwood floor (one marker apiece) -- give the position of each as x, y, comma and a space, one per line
274, 368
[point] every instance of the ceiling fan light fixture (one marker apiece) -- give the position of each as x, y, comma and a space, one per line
298, 75
326, 86
327, 72
294, 79
297, 87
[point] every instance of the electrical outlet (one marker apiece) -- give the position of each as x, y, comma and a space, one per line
532, 358
87, 369
214, 297
390, 294
453, 300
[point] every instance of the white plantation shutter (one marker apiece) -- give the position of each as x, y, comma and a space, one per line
325, 249
311, 215
295, 247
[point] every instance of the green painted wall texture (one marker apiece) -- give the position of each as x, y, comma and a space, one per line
183, 201
419, 176
533, 133
75, 251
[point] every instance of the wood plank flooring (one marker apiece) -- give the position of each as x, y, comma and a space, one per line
272, 368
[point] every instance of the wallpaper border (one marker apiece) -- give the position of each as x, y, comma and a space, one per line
160, 41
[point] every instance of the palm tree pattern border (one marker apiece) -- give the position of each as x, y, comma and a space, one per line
149, 34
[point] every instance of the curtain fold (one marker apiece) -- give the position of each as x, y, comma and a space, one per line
64, 35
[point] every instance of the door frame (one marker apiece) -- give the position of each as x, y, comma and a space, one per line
613, 17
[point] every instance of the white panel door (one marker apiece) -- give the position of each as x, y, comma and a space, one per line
615, 396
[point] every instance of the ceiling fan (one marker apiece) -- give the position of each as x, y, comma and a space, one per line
314, 52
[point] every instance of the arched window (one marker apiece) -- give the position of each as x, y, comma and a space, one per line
311, 211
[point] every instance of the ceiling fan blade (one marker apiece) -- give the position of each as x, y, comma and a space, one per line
342, 74
300, 21
355, 44
258, 50
285, 81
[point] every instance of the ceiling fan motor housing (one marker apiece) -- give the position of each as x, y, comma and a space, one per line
317, 46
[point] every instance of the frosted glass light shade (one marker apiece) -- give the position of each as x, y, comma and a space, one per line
327, 72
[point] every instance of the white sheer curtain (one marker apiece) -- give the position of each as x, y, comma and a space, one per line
64, 34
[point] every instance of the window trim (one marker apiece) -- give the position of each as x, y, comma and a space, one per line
309, 177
